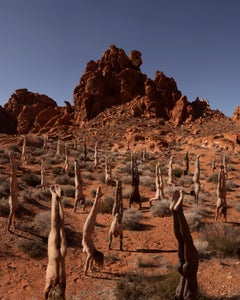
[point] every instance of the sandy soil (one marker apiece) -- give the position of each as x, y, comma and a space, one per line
23, 277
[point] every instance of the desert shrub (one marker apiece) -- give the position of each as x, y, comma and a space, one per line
85, 165
69, 192
223, 239
4, 158
138, 286
88, 175
230, 186
31, 179
37, 152
4, 188
15, 148
161, 209
42, 194
66, 203
42, 222
93, 192
126, 169
194, 220
213, 178
126, 193
64, 180
140, 262
237, 206
186, 180
126, 179
148, 181
35, 249
131, 219
55, 160
106, 205
71, 171
177, 172
231, 168
32, 160
101, 177
202, 248
58, 170
4, 207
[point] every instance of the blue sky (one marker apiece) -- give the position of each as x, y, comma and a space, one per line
46, 44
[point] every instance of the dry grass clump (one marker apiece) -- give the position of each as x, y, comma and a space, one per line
88, 175
131, 219
223, 240
139, 286
106, 205
42, 194
69, 192
58, 170
148, 181
15, 148
195, 218
213, 178
42, 223
177, 172
4, 158
4, 207
161, 209
4, 188
64, 180
31, 179
36, 249
230, 185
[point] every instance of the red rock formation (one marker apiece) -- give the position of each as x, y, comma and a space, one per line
236, 114
116, 79
8, 124
30, 112
182, 111
113, 80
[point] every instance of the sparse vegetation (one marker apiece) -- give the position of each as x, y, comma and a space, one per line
223, 240
131, 219
161, 209
139, 286
31, 179
106, 205
36, 249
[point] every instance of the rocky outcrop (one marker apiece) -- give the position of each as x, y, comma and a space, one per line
30, 112
116, 79
8, 124
112, 80
182, 111
236, 114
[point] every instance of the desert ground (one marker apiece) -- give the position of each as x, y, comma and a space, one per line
149, 245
